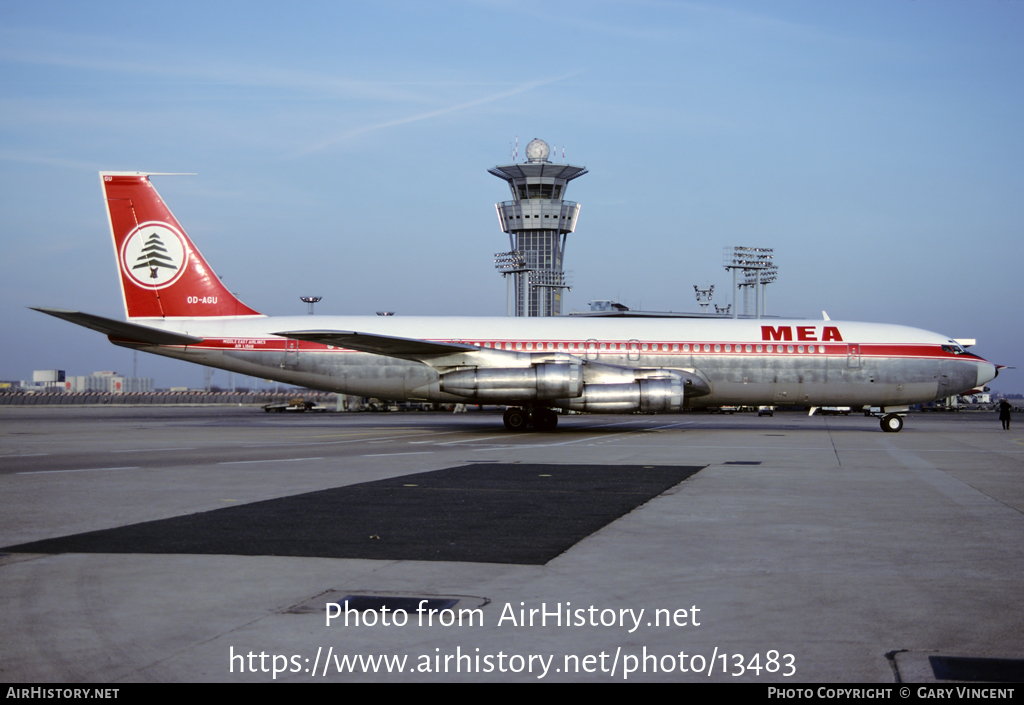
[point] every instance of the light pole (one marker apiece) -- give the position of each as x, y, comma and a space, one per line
758, 269
310, 300
704, 297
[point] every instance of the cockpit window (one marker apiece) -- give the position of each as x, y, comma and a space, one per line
954, 348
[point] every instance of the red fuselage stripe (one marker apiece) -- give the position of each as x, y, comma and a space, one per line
784, 349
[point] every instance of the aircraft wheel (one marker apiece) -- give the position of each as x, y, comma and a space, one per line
892, 423
545, 420
515, 419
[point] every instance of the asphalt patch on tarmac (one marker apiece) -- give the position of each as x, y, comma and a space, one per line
973, 669
483, 513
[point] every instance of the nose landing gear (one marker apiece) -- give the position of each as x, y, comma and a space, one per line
892, 423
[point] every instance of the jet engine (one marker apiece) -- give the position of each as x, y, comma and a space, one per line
653, 395
515, 384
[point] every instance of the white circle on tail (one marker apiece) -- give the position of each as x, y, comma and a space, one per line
154, 255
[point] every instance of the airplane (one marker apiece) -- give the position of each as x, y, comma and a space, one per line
176, 306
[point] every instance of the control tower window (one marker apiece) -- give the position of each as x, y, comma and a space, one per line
545, 191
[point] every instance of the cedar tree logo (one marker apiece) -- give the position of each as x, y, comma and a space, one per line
154, 255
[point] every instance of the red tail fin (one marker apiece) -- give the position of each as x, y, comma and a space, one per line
163, 275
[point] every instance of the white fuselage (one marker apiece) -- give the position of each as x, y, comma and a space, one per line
766, 361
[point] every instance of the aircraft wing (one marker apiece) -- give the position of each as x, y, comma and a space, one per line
120, 329
406, 348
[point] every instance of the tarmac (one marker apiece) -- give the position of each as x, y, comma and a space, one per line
219, 543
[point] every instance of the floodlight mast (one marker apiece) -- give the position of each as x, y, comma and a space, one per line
310, 300
758, 271
759, 279
704, 297
511, 264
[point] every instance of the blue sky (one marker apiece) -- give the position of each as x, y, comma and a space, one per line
342, 150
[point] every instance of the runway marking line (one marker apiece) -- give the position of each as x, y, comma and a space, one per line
354, 433
143, 450
327, 443
472, 440
385, 455
47, 472
272, 460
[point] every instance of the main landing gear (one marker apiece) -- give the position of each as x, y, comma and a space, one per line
541, 419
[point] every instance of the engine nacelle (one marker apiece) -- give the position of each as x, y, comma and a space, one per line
653, 395
514, 384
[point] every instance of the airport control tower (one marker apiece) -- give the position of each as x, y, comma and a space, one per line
537, 221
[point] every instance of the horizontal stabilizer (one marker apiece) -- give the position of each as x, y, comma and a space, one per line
409, 348
120, 329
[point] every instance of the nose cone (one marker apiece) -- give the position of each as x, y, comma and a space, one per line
986, 372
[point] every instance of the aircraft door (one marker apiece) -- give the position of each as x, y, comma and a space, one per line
634, 350
592, 349
853, 356
291, 353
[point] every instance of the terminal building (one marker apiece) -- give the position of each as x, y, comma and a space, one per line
110, 382
52, 381
538, 220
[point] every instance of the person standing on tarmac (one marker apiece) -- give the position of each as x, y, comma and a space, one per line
1004, 414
